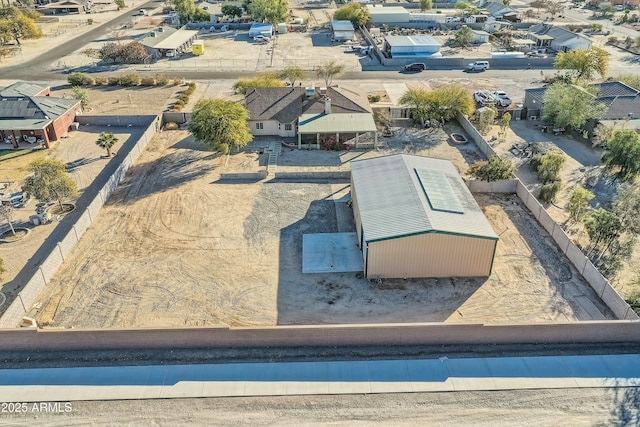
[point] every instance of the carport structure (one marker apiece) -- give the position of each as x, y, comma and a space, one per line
314, 128
167, 41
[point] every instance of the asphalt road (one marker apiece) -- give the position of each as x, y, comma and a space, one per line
36, 69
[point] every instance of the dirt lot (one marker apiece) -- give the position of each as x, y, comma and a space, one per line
176, 247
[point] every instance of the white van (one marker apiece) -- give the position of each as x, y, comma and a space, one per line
478, 66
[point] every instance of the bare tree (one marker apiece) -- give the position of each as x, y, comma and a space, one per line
6, 212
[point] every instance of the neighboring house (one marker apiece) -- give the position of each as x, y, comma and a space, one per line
298, 111
622, 101
28, 115
415, 217
168, 41
499, 10
379, 14
557, 38
67, 6
342, 31
491, 25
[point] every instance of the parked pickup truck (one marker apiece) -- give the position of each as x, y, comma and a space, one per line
502, 99
484, 97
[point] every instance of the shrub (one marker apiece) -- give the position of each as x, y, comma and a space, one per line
223, 148
192, 86
493, 170
147, 81
177, 82
161, 79
90, 21
374, 98
188, 91
100, 81
179, 102
113, 81
549, 191
612, 40
130, 79
184, 98
550, 166
79, 79
171, 126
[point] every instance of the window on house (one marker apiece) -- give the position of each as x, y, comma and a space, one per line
287, 126
259, 126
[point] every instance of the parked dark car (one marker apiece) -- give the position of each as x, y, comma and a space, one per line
416, 66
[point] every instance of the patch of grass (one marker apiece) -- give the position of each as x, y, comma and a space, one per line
13, 163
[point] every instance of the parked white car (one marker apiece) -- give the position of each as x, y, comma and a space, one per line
502, 99
484, 98
261, 39
478, 66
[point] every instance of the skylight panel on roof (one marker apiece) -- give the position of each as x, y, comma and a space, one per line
439, 192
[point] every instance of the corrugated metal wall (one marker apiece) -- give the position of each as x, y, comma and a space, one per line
430, 255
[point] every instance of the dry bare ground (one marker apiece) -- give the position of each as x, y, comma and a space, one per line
177, 247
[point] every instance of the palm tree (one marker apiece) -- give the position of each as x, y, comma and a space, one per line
106, 141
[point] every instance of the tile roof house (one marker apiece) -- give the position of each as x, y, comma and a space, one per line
280, 111
28, 115
557, 38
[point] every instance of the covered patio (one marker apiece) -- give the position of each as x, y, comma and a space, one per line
351, 130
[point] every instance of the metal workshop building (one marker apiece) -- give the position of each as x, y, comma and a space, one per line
342, 31
415, 217
411, 47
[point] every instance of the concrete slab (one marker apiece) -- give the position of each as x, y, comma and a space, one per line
347, 377
331, 253
470, 374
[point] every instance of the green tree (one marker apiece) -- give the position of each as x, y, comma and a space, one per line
17, 24
261, 80
184, 10
495, 169
549, 191
504, 124
328, 71
231, 10
49, 180
200, 15
120, 4
585, 63
270, 11
219, 124
487, 116
81, 95
623, 157
549, 166
463, 36
355, 12
568, 105
579, 202
6, 212
442, 104
292, 74
106, 141
426, 5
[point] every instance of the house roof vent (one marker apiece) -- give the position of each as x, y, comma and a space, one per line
161, 30
309, 91
323, 91
152, 34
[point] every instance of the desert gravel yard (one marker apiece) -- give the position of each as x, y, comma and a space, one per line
176, 246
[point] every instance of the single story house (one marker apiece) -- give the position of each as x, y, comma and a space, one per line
168, 41
411, 47
28, 115
342, 31
260, 29
66, 7
491, 25
557, 38
622, 102
291, 112
415, 217
497, 9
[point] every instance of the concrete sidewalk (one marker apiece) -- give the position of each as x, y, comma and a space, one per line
314, 378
